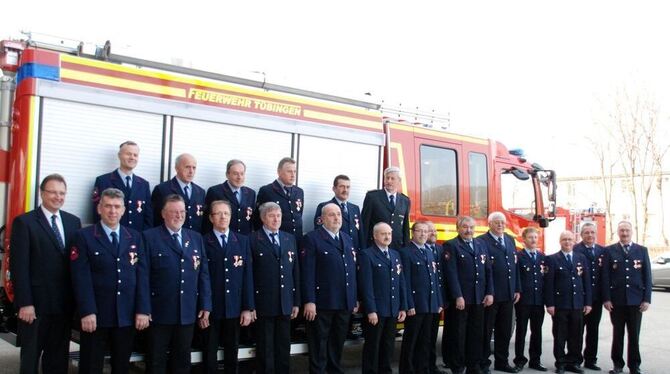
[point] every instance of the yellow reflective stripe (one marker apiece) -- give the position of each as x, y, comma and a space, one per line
122, 83
440, 134
307, 113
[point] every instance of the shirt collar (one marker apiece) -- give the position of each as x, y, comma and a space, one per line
497, 238
388, 194
530, 251
282, 184
48, 214
219, 233
417, 245
174, 232
182, 184
268, 232
124, 175
332, 234
339, 202
108, 230
233, 188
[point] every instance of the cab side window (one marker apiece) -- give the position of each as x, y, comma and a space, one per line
479, 185
439, 184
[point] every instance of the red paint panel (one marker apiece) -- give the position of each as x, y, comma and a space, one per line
40, 57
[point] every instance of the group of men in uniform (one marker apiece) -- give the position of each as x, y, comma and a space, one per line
168, 260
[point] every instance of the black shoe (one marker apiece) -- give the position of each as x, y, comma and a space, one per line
485, 370
505, 368
574, 369
616, 371
437, 370
458, 371
635, 371
519, 367
592, 366
538, 367
560, 370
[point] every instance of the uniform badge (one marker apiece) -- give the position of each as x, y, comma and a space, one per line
447, 255
434, 267
196, 262
357, 224
637, 264
186, 245
74, 253
319, 221
600, 261
527, 268
615, 265
353, 253
139, 206
544, 268
290, 256
483, 258
133, 257
238, 261
198, 210
298, 205
516, 259
580, 269
398, 269
249, 213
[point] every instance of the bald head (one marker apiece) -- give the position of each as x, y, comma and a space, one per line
185, 165
567, 240
331, 215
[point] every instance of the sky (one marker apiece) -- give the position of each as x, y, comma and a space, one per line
531, 74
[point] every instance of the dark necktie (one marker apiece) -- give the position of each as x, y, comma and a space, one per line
593, 251
237, 197
128, 182
186, 194
501, 242
392, 201
424, 253
224, 241
469, 242
386, 254
288, 191
338, 242
175, 237
54, 227
275, 244
115, 241
569, 257
344, 208
626, 249
532, 256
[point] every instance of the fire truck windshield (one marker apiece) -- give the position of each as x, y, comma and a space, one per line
518, 193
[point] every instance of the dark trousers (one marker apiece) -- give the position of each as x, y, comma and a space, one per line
226, 331
175, 339
273, 344
591, 324
378, 346
626, 317
469, 332
47, 337
94, 345
568, 327
449, 335
535, 315
434, 328
325, 339
414, 350
497, 317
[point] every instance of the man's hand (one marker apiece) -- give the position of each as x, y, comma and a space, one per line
88, 323
27, 314
517, 297
295, 310
401, 316
254, 316
411, 312
460, 303
372, 318
203, 319
608, 305
245, 318
587, 309
310, 311
358, 306
488, 300
644, 306
551, 310
141, 321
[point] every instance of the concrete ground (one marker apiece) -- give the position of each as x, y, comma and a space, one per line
655, 352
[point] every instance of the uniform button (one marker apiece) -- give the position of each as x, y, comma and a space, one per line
256, 292
347, 284
573, 278
391, 222
130, 222
392, 297
393, 288
509, 277
627, 285
130, 212
282, 286
182, 291
227, 280
227, 291
535, 288
226, 269
225, 259
119, 280
281, 276
476, 282
182, 270
118, 259
627, 276
281, 266
574, 293
182, 281
118, 270
118, 292
627, 269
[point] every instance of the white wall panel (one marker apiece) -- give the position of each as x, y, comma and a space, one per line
321, 159
81, 141
214, 144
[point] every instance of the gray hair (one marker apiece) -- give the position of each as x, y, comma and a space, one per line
268, 207
234, 162
283, 161
379, 225
392, 169
496, 216
181, 157
462, 219
624, 222
219, 202
588, 224
112, 193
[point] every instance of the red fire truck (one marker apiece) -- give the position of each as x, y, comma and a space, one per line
65, 111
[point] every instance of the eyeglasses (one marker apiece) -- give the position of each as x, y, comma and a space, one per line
176, 212
55, 193
220, 214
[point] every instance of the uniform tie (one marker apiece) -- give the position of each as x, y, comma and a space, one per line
237, 197
386, 253
275, 244
501, 242
469, 242
593, 251
626, 249
115, 241
344, 208
128, 182
54, 227
187, 193
392, 201
569, 257
288, 191
176, 239
532, 256
224, 240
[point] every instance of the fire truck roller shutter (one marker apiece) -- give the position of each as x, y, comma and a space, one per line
81, 141
214, 144
321, 159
